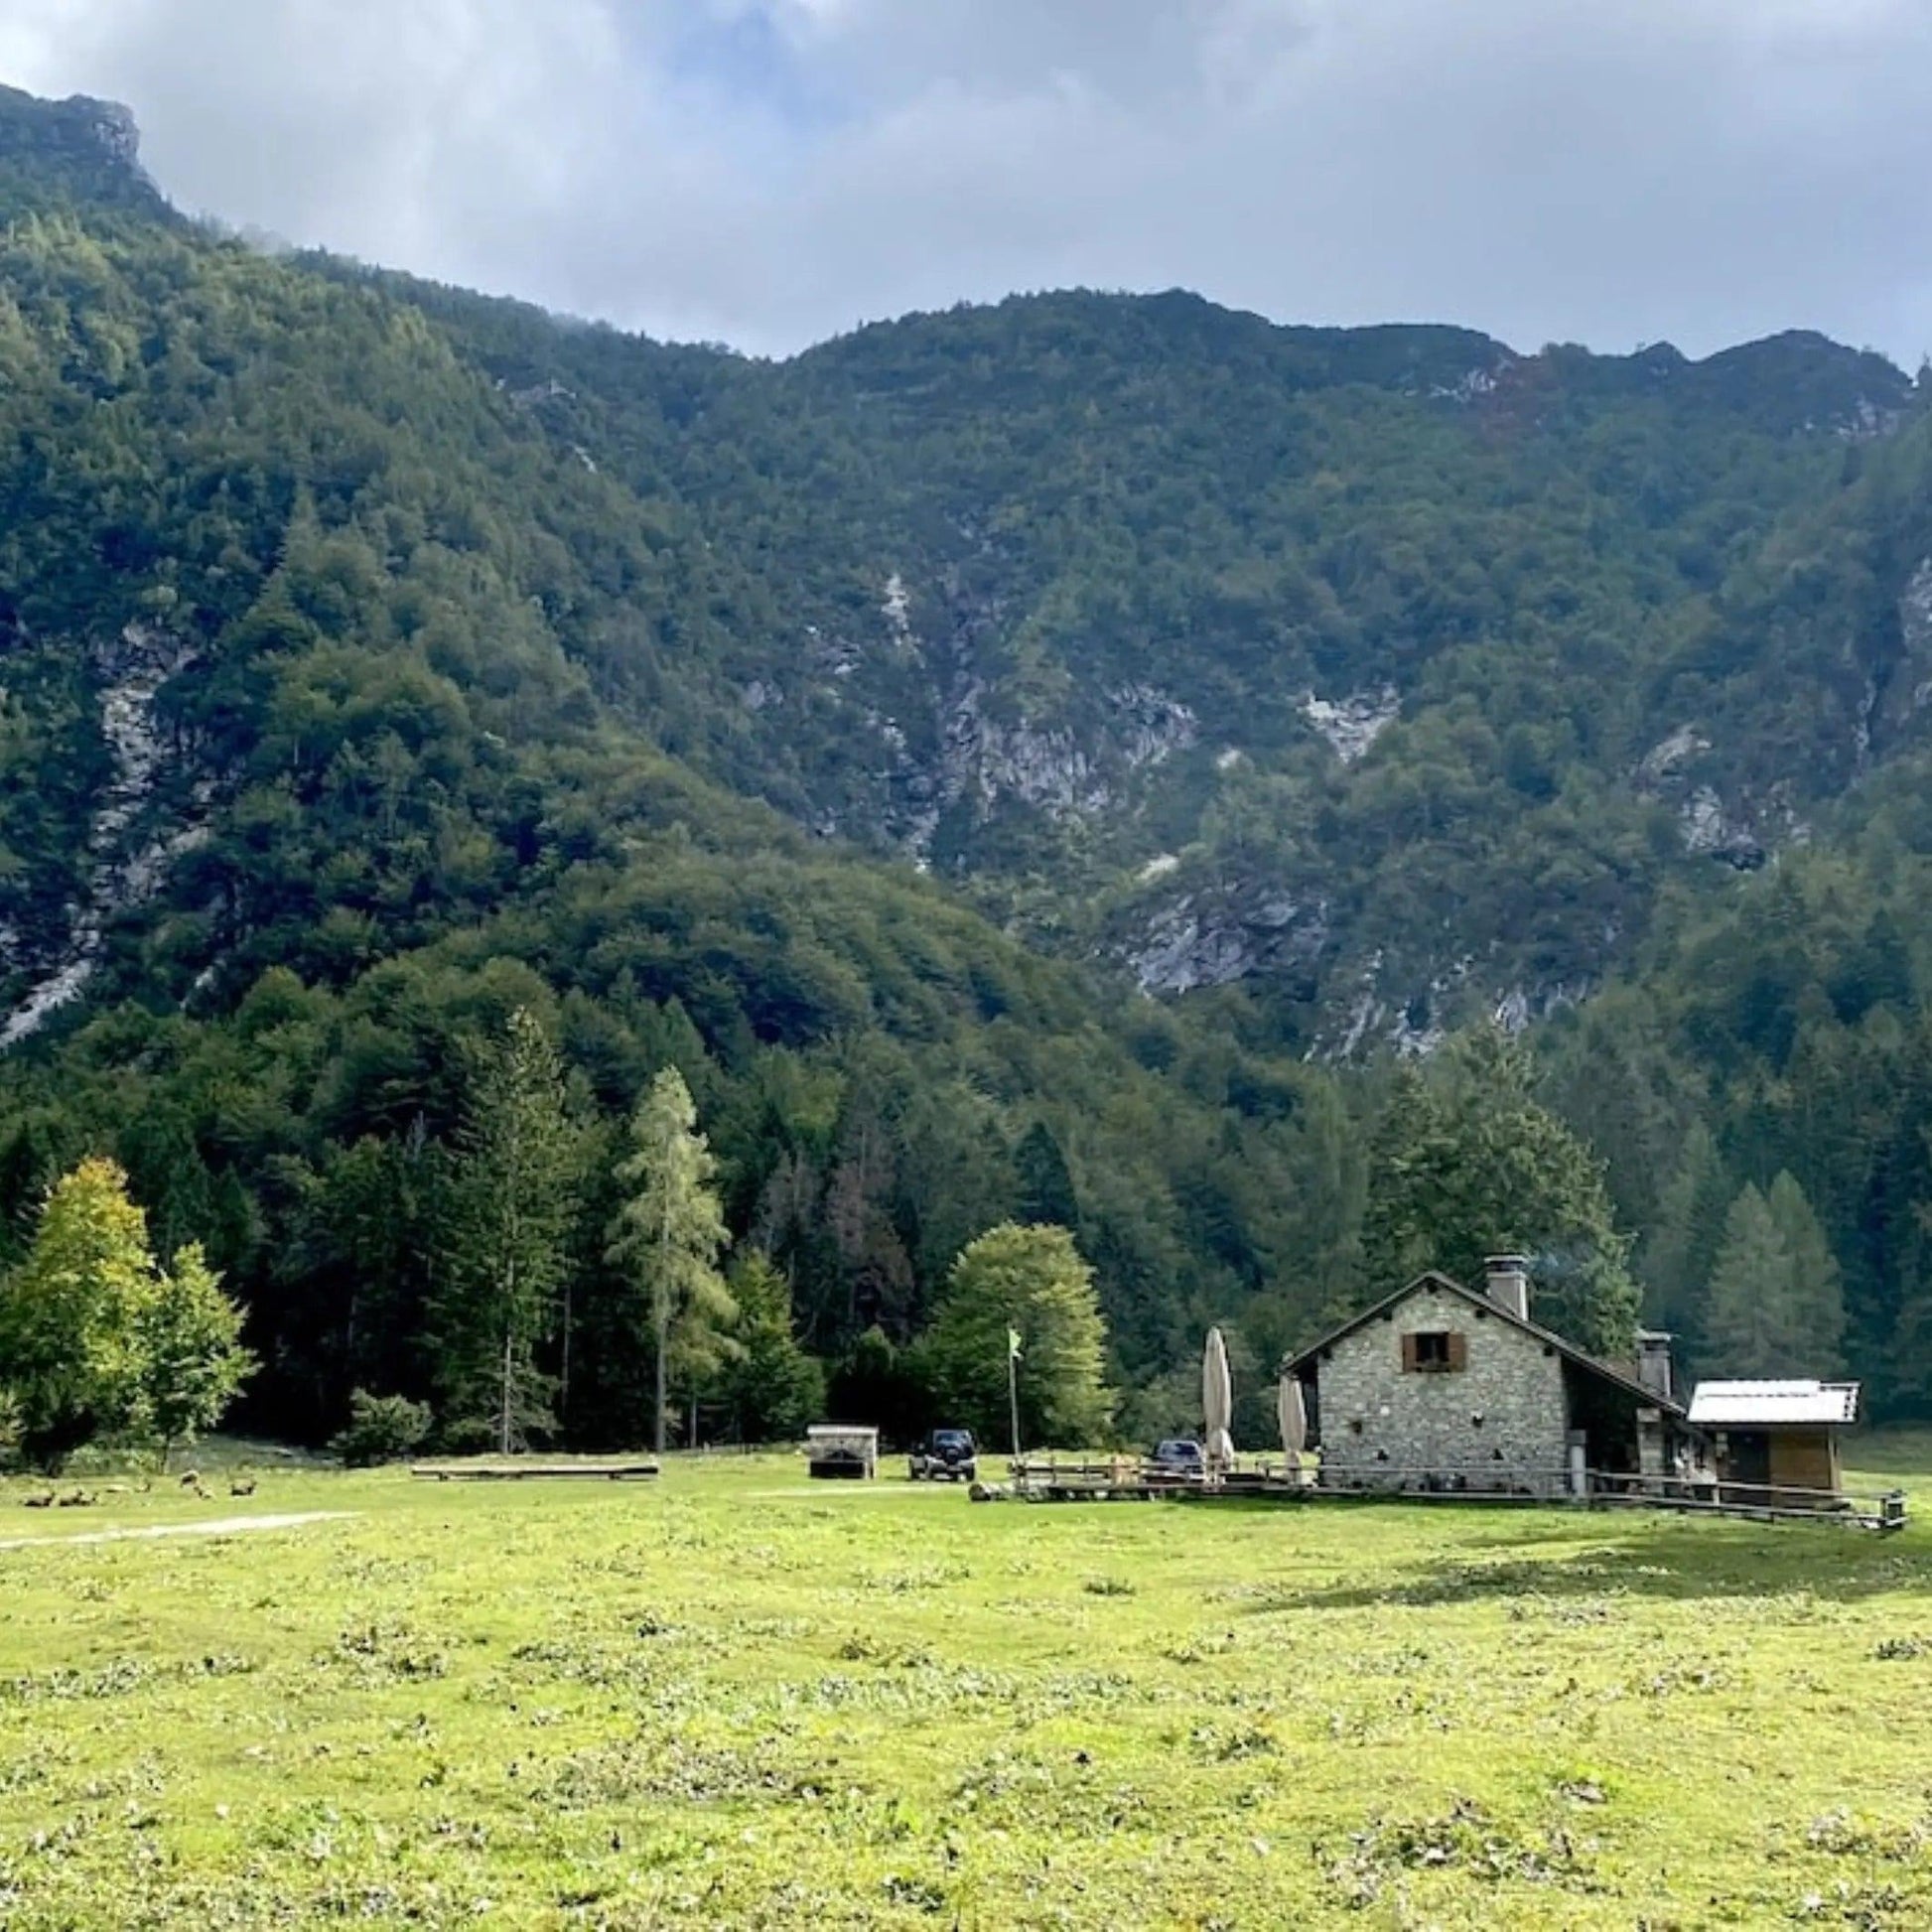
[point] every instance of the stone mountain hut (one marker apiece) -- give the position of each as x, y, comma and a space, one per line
1445, 1388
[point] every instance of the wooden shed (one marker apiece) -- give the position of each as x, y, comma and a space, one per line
1775, 1435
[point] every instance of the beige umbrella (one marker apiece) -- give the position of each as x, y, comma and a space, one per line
1217, 1400
1295, 1416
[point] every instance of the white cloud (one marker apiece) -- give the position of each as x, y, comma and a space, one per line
767, 171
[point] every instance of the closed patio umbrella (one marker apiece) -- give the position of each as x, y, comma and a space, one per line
1217, 1400
1293, 1414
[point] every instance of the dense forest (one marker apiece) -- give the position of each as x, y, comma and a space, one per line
1283, 805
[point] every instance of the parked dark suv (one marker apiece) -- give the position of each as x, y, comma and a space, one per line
1176, 1461
945, 1454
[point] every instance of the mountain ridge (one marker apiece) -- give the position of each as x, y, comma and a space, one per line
378, 657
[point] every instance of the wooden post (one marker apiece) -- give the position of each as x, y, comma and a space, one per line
1012, 1393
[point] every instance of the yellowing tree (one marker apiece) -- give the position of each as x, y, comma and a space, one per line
96, 1339
668, 1236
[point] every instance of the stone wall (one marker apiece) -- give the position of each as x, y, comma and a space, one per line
1381, 1424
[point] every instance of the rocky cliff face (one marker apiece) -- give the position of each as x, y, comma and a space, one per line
1214, 936
131, 847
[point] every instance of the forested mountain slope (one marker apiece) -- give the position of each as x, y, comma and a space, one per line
378, 658
1387, 667
309, 779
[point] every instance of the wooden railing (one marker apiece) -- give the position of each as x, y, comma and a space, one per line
1720, 1495
1067, 1477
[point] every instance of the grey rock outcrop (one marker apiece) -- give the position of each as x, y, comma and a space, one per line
1215, 937
126, 869
1352, 723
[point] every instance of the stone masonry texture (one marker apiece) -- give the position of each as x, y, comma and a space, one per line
1382, 1425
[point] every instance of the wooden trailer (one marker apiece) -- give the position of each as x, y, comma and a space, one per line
835, 1449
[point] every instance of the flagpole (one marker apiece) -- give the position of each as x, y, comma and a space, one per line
1013, 1389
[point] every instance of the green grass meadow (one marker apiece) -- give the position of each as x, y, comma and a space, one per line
733, 1697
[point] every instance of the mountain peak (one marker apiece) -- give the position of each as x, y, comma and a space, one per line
77, 148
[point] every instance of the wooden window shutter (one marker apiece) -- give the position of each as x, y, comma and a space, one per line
1459, 1351
1408, 1354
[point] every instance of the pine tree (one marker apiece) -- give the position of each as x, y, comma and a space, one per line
506, 1241
1045, 1187
668, 1235
1814, 1293
1467, 1163
1680, 1253
1750, 1319
773, 1387
1775, 1306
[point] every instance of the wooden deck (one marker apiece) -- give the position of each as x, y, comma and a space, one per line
521, 1471
1130, 1478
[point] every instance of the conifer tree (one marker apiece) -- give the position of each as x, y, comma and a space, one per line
668, 1236
1814, 1295
1775, 1306
506, 1239
1680, 1253
773, 1386
1749, 1321
1466, 1162
1045, 1187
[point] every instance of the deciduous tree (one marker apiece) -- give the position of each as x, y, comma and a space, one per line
189, 1337
96, 1339
1034, 1282
69, 1347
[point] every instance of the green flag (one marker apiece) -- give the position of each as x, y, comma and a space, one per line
1013, 1344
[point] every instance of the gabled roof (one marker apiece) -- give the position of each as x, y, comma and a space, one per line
1767, 1405
1431, 1278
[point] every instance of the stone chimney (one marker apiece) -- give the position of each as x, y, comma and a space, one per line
1653, 1362
1509, 1283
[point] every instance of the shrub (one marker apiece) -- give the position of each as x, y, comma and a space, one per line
381, 1429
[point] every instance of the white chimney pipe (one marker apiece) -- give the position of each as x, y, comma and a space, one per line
1509, 1283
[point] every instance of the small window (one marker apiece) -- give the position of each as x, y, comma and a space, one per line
1355, 1425
1433, 1351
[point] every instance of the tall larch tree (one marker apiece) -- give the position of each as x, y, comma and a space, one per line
668, 1236
1815, 1296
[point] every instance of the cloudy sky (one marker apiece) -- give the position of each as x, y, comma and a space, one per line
768, 172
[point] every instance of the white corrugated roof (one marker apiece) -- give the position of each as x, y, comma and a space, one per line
1761, 1404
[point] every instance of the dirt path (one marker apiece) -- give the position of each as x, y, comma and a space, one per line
213, 1526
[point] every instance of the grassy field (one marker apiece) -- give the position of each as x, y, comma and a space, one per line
734, 1699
